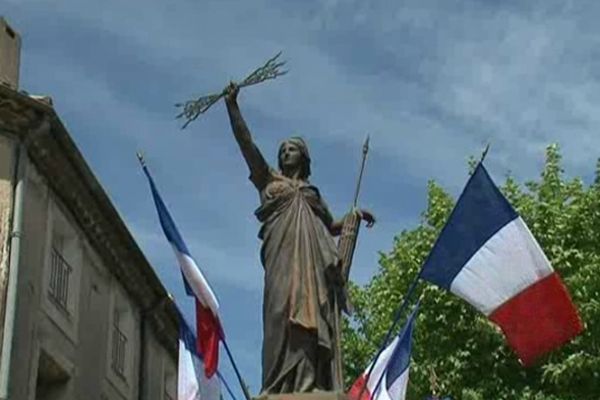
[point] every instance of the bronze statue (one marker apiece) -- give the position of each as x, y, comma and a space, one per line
301, 265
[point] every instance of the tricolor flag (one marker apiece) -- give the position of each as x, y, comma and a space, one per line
208, 325
393, 363
486, 255
192, 382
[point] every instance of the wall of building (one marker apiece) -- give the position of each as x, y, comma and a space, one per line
161, 370
6, 195
64, 350
95, 301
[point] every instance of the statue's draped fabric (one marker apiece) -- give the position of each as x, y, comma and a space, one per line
297, 253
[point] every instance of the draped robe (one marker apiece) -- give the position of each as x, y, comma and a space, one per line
298, 253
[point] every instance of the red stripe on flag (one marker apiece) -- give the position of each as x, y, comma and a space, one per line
539, 319
357, 387
209, 334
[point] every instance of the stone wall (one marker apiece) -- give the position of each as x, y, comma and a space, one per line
6, 195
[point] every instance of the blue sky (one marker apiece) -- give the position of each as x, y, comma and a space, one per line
431, 81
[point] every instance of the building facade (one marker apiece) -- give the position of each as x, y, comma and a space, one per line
82, 313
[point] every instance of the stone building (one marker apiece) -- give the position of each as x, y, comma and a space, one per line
82, 313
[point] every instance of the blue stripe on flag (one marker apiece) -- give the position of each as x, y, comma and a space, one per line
400, 359
187, 336
168, 226
480, 212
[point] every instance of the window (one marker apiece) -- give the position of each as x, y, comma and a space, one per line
122, 342
60, 273
119, 346
61, 281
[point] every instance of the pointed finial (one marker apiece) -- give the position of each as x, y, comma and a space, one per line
485, 151
140, 157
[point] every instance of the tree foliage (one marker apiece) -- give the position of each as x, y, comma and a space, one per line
468, 353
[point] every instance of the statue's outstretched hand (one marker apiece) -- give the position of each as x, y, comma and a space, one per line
231, 91
366, 216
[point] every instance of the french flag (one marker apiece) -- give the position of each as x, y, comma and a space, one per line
208, 325
393, 363
192, 382
487, 256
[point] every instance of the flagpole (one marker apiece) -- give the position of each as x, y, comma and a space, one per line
224, 382
237, 372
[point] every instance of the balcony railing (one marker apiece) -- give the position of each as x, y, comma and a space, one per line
60, 272
119, 345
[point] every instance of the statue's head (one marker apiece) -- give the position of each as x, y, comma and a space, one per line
293, 157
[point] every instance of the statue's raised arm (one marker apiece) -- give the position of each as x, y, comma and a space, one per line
259, 168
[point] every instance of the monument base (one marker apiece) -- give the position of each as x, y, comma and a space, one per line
304, 396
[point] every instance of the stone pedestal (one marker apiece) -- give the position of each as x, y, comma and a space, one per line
304, 396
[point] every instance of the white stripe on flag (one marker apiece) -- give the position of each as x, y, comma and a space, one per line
381, 364
398, 389
192, 384
197, 282
509, 262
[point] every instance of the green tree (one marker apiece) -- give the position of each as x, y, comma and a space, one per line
467, 352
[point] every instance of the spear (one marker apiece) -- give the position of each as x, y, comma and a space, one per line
193, 108
349, 236
346, 247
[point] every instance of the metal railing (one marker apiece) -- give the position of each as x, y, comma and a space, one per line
60, 271
119, 347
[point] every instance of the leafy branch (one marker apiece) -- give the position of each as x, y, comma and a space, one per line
192, 109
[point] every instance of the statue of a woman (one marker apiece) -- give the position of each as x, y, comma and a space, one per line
300, 260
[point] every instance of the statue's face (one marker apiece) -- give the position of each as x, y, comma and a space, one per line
290, 157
